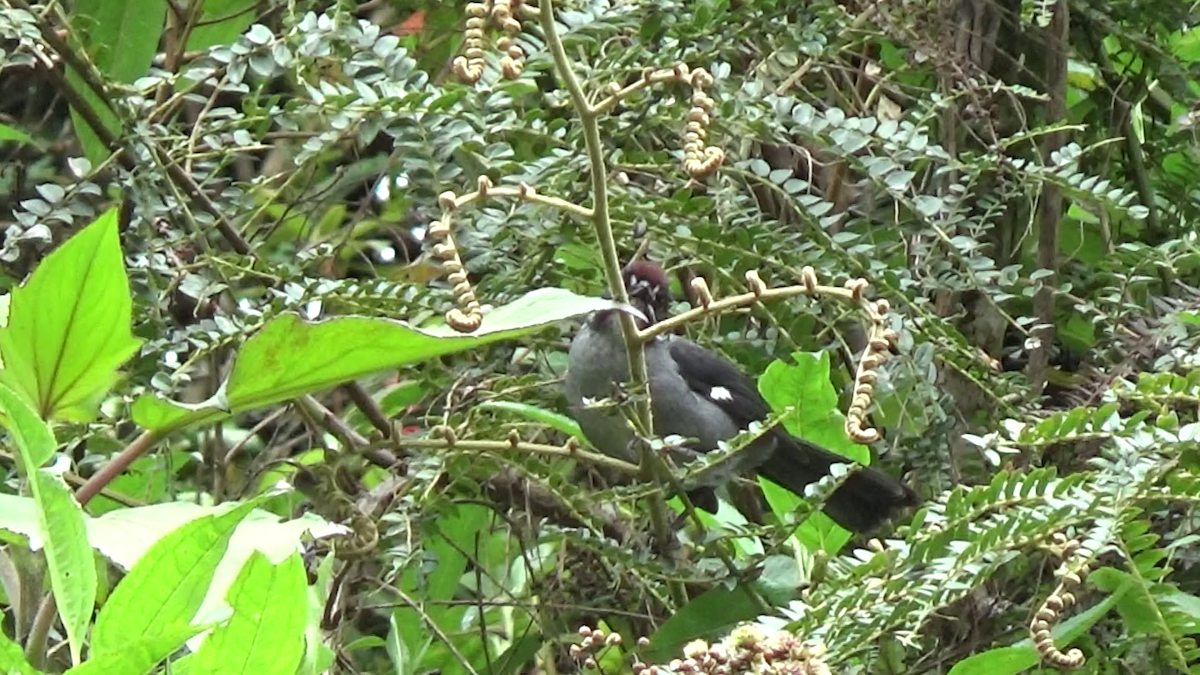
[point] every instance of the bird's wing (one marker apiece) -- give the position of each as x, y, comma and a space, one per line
718, 380
864, 501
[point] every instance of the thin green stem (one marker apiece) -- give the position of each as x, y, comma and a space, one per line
638, 377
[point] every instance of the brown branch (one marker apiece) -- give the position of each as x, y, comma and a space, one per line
1050, 206
86, 70
344, 433
369, 408
113, 143
116, 467
509, 487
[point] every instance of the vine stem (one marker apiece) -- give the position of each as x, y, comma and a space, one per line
638, 377
746, 299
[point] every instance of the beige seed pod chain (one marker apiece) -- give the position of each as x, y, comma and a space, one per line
502, 13
513, 61
1062, 598
469, 66
468, 316
699, 160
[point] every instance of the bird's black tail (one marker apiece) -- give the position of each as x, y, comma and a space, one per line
862, 503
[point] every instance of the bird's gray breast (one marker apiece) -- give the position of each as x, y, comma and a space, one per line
598, 361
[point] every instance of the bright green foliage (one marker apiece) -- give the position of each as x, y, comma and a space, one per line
266, 633
276, 164
68, 325
168, 584
290, 357
60, 521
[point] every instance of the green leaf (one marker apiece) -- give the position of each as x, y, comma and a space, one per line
68, 556
318, 657
927, 205
519, 655
805, 388
1185, 602
60, 521
125, 536
168, 584
899, 180
12, 657
458, 534
1137, 607
221, 23
814, 416
138, 655
397, 647
290, 357
120, 38
68, 325
266, 633
1022, 656
556, 421
1002, 661
455, 539
35, 441
8, 133
713, 612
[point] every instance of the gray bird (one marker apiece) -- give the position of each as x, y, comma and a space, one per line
697, 394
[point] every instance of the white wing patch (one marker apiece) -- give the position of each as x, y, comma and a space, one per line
720, 394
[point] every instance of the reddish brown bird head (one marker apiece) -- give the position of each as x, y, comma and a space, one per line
648, 288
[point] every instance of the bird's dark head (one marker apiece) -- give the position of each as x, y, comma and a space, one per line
648, 288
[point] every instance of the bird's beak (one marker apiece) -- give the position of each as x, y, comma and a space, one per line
633, 311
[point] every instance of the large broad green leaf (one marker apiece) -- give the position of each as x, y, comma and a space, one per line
139, 655
35, 440
68, 556
60, 521
168, 584
290, 357
1137, 605
125, 536
68, 325
120, 38
814, 416
265, 635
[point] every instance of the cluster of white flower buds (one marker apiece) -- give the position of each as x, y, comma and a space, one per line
748, 649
